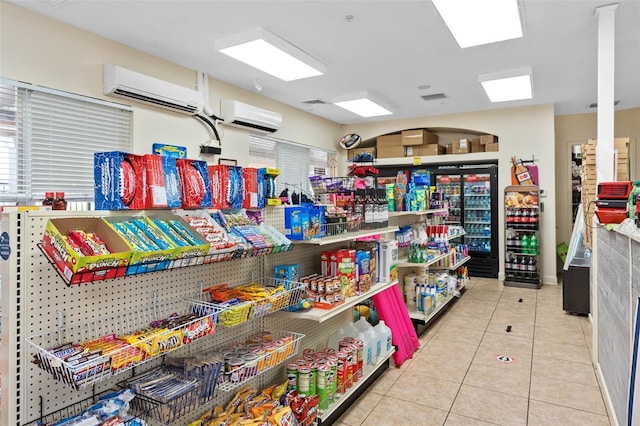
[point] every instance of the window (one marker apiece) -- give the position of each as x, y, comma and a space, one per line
296, 162
48, 138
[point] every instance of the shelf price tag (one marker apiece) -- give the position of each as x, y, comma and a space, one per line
417, 161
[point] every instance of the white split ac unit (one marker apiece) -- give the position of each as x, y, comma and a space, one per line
239, 114
124, 83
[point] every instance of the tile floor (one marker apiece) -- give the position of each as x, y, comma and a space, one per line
454, 378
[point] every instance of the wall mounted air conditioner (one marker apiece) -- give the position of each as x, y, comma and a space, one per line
239, 114
124, 83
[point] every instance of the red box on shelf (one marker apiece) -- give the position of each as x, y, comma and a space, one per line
249, 188
162, 185
195, 187
120, 181
226, 186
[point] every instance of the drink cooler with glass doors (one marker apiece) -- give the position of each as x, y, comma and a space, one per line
472, 195
522, 225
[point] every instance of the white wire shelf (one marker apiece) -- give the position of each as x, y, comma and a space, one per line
276, 295
424, 317
322, 315
418, 213
454, 267
347, 236
404, 263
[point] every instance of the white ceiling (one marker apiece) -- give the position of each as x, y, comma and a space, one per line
389, 48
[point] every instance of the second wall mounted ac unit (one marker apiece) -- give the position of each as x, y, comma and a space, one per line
238, 114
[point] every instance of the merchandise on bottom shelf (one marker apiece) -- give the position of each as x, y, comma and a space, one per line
107, 408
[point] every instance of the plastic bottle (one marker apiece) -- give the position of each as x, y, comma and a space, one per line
372, 337
524, 244
48, 199
59, 203
363, 327
533, 244
334, 338
384, 334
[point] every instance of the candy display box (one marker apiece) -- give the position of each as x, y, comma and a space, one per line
120, 181
195, 187
188, 255
162, 186
77, 268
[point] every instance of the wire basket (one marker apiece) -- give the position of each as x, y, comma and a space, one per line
255, 354
164, 395
278, 295
83, 354
324, 185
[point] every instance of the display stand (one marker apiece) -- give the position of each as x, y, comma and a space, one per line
522, 225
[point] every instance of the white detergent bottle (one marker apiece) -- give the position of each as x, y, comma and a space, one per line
384, 333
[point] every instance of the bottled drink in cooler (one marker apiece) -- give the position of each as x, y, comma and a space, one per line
524, 244
533, 244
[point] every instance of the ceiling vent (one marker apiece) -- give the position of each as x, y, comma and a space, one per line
595, 104
314, 102
434, 97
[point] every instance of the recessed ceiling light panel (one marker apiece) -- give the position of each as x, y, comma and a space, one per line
477, 22
362, 104
509, 85
269, 53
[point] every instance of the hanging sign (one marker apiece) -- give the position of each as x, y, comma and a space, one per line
5, 248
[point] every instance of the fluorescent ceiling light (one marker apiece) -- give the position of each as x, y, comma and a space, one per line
476, 22
507, 85
361, 104
269, 53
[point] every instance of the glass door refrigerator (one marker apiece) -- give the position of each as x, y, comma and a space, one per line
473, 197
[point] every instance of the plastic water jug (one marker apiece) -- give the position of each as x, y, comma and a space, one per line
384, 334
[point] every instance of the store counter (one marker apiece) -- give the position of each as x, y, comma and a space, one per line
615, 278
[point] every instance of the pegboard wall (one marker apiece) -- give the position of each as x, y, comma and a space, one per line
34, 297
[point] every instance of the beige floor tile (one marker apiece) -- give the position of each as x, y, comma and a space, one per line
515, 313
394, 412
555, 320
411, 387
465, 321
508, 342
358, 411
458, 420
386, 380
567, 394
471, 308
498, 377
560, 335
519, 328
447, 347
543, 414
575, 372
521, 362
452, 367
562, 351
489, 406
463, 335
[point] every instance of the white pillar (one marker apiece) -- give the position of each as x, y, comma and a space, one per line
606, 66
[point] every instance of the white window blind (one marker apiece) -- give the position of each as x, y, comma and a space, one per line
48, 138
296, 162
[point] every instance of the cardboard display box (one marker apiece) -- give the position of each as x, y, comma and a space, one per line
418, 137
424, 150
476, 145
487, 139
460, 146
491, 147
389, 146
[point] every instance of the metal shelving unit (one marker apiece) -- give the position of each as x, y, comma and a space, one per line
426, 318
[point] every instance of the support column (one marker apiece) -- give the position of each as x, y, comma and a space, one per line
605, 161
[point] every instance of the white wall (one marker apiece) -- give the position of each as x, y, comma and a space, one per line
526, 132
42, 51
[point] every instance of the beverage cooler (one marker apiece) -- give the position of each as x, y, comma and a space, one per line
473, 204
